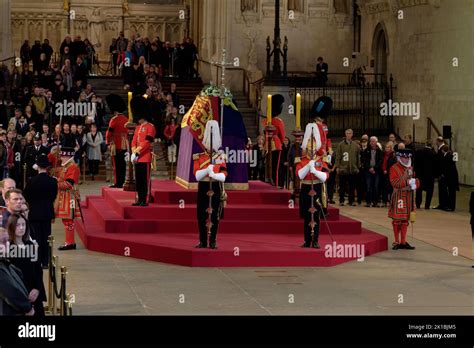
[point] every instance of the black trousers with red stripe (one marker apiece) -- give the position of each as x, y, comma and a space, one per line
276, 166
119, 167
142, 174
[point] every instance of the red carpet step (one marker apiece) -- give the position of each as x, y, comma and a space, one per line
261, 228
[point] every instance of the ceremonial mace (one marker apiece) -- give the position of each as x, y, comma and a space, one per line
312, 193
210, 193
324, 218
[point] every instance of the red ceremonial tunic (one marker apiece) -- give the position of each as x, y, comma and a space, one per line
319, 165
278, 134
66, 204
117, 132
201, 161
142, 141
401, 203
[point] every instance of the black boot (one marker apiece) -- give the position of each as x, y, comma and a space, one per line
316, 245
306, 245
68, 247
213, 245
201, 245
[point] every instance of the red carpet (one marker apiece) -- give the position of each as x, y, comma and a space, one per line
259, 229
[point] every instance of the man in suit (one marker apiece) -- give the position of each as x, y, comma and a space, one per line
32, 153
425, 161
442, 185
40, 193
449, 174
322, 72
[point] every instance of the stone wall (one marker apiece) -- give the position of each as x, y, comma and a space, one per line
421, 54
99, 21
242, 26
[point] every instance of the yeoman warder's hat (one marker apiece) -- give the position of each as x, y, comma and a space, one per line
404, 153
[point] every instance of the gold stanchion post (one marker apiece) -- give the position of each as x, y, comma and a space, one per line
54, 309
62, 305
49, 307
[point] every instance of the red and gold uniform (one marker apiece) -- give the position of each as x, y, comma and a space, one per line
276, 142
202, 162
116, 138
402, 200
66, 206
142, 145
313, 172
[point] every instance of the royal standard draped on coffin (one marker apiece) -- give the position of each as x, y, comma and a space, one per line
206, 107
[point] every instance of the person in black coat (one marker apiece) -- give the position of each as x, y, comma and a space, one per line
28, 263
321, 72
13, 293
22, 127
40, 193
424, 164
449, 174
371, 159
31, 155
80, 72
442, 185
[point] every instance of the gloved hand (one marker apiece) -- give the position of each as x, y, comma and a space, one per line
312, 163
210, 169
321, 175
134, 158
412, 183
313, 170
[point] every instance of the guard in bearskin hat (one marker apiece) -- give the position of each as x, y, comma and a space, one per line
116, 138
276, 143
142, 145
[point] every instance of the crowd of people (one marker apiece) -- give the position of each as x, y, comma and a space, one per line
34, 100
359, 170
136, 57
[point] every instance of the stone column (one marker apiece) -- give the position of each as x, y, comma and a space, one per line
5, 29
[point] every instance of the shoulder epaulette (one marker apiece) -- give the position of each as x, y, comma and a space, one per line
297, 159
196, 156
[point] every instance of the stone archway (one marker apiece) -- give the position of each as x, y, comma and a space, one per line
380, 51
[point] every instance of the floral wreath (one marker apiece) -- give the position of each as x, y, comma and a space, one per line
215, 91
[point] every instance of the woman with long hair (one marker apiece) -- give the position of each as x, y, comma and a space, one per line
27, 260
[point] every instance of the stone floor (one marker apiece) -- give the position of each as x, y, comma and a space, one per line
429, 280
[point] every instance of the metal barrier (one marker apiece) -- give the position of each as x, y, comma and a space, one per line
54, 294
355, 107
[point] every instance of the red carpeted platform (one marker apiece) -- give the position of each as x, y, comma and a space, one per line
261, 228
